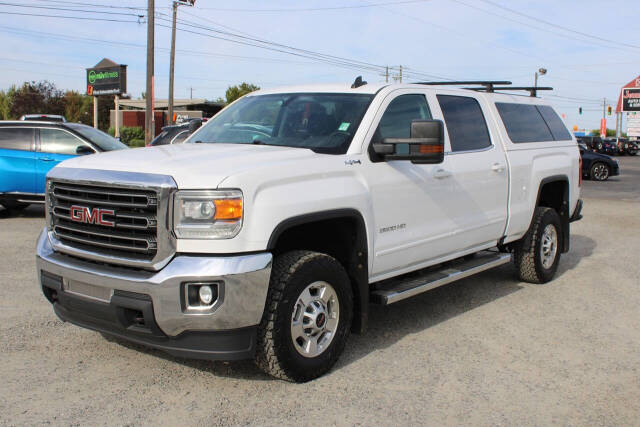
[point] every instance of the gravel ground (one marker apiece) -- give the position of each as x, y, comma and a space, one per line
485, 350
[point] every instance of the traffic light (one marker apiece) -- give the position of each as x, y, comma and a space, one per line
609, 110
580, 110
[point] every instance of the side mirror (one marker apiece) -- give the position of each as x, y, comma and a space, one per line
83, 149
425, 145
194, 125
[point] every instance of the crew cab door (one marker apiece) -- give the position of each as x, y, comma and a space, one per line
426, 213
477, 168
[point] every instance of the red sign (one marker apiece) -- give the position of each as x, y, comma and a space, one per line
633, 84
603, 127
91, 216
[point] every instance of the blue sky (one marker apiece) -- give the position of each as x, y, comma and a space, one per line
456, 39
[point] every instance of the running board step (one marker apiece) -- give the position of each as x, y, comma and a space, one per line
395, 290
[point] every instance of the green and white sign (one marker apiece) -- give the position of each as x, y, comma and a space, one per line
111, 80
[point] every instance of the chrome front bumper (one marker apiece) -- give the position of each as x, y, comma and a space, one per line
244, 283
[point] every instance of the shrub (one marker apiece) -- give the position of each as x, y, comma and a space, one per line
129, 134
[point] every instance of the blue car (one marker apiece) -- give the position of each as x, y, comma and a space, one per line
28, 150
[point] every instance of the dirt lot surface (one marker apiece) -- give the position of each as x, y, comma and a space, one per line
485, 350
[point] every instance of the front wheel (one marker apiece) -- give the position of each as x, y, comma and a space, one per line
537, 254
307, 316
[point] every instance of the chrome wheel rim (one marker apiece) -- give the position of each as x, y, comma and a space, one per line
600, 172
549, 246
315, 317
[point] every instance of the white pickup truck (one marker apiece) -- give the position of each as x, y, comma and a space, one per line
268, 234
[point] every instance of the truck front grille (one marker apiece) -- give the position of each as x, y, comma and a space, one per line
131, 229
112, 217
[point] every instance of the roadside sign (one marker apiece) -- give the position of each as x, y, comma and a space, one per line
107, 78
631, 99
633, 124
603, 127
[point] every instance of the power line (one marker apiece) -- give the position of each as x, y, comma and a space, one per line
546, 30
551, 24
82, 18
314, 9
65, 9
95, 5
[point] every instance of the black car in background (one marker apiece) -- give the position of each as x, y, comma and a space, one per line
596, 166
599, 145
624, 146
176, 134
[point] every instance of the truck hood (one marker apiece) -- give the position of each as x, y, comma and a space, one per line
192, 166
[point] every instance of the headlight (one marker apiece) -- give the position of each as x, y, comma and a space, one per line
207, 214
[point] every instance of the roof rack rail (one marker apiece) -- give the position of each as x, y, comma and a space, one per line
531, 89
488, 84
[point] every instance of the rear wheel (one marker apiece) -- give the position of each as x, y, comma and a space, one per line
599, 172
537, 254
307, 316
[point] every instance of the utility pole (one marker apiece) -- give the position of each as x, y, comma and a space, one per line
401, 74
191, 94
149, 122
172, 61
386, 74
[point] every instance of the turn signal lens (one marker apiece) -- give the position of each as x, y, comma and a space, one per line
228, 209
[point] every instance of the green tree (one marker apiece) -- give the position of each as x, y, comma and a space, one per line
610, 132
78, 107
6, 100
37, 98
235, 92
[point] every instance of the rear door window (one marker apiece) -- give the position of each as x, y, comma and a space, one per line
57, 141
555, 123
16, 138
524, 123
465, 122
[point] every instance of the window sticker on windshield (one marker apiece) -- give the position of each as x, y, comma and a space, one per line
344, 126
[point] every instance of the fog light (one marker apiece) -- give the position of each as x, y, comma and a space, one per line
206, 294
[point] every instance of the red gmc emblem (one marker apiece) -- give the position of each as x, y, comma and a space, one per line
91, 216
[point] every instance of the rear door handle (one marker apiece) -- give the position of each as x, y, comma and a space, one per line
497, 167
441, 173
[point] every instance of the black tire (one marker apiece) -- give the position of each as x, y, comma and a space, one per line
292, 272
12, 205
528, 254
599, 171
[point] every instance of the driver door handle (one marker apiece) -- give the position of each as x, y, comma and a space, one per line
440, 173
46, 159
497, 167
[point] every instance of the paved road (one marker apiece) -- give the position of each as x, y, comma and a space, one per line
486, 350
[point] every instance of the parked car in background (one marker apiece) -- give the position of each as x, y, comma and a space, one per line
44, 118
28, 150
596, 166
624, 146
176, 134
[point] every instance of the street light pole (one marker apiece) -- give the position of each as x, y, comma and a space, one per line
148, 114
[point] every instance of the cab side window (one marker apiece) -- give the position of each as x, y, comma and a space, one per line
465, 122
396, 120
57, 141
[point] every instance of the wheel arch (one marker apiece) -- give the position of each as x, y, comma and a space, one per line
341, 233
553, 192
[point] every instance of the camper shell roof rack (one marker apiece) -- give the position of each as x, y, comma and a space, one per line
489, 86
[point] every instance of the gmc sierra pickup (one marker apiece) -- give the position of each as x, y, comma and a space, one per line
268, 234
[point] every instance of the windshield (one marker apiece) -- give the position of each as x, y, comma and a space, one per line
322, 122
102, 140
